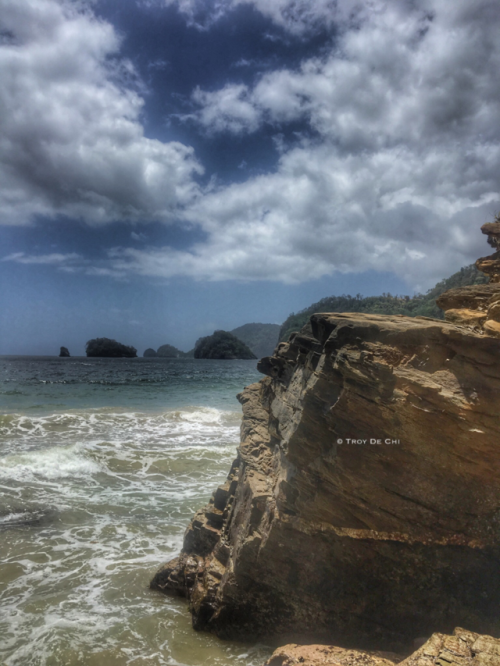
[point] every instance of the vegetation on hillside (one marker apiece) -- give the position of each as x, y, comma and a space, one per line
169, 351
109, 348
260, 338
419, 305
222, 345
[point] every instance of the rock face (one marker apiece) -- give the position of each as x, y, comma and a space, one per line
364, 505
491, 265
64, 353
478, 307
463, 648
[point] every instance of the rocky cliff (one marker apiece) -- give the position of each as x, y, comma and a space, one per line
364, 505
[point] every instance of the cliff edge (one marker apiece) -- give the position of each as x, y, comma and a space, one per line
364, 505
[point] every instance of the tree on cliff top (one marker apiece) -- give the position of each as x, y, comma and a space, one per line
109, 348
222, 345
415, 306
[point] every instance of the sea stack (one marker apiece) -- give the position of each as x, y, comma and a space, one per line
363, 508
64, 352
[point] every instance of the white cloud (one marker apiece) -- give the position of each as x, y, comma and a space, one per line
407, 164
72, 142
403, 168
227, 110
297, 17
54, 259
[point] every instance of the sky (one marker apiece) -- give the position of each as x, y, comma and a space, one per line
172, 167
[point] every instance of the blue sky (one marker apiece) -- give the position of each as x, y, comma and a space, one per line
168, 167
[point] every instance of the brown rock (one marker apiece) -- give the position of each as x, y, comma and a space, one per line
329, 655
464, 317
476, 297
492, 230
494, 311
492, 328
490, 266
364, 506
464, 648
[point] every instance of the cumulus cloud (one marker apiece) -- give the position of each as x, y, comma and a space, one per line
228, 109
398, 165
72, 141
407, 164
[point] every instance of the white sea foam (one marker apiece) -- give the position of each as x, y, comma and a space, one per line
119, 426
52, 463
93, 502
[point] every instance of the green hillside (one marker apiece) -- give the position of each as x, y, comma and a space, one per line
222, 345
419, 305
169, 351
260, 338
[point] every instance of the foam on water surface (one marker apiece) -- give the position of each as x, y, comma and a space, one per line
93, 499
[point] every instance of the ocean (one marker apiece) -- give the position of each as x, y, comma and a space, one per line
102, 464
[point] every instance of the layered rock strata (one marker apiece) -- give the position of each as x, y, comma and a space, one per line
463, 648
478, 306
364, 505
491, 265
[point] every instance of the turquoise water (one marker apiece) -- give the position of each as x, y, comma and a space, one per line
102, 464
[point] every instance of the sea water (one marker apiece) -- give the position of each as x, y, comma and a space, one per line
102, 464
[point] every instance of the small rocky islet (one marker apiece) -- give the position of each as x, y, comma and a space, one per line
363, 507
107, 348
222, 345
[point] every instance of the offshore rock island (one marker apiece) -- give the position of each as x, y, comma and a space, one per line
222, 345
363, 508
107, 348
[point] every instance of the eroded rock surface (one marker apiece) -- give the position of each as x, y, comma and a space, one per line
463, 648
364, 506
329, 655
478, 307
